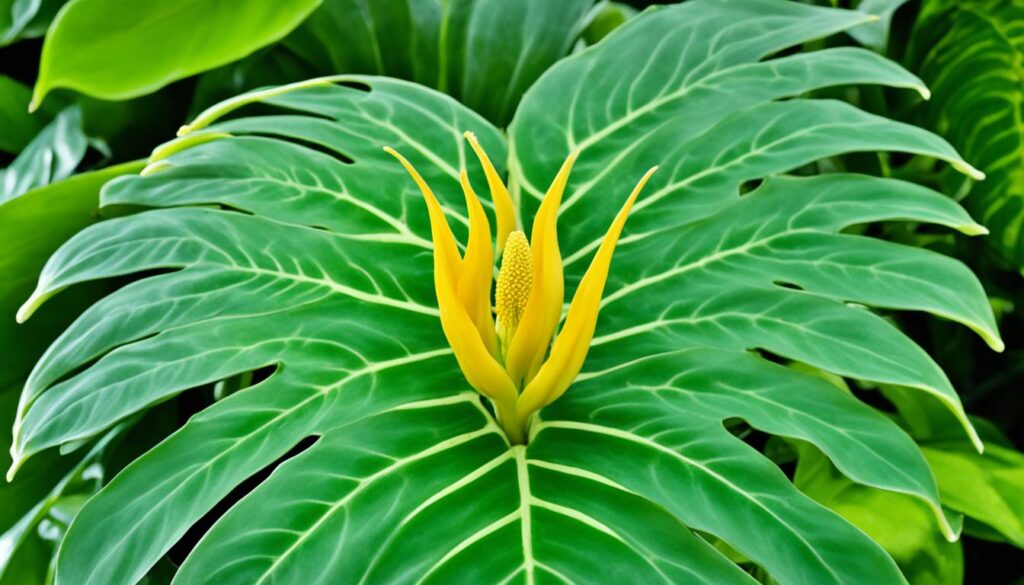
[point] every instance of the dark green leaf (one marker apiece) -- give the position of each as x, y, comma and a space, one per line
971, 52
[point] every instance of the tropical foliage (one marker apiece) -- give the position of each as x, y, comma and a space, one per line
257, 356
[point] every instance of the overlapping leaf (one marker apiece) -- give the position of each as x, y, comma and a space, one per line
485, 53
51, 156
290, 242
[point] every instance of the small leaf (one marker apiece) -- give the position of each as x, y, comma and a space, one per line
51, 156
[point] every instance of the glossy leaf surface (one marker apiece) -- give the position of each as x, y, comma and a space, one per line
291, 243
115, 50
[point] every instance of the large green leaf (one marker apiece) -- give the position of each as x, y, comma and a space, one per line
486, 53
117, 50
290, 243
970, 53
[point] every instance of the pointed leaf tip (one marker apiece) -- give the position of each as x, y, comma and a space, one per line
26, 310
973, 229
996, 344
969, 170
36, 101
15, 466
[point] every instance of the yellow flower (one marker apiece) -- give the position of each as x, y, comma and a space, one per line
509, 360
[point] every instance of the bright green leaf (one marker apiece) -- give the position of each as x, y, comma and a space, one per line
904, 527
116, 50
988, 487
606, 17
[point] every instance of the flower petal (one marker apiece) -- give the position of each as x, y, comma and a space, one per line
504, 208
474, 288
479, 367
530, 342
570, 348
444, 241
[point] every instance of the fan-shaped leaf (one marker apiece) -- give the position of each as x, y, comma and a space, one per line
290, 242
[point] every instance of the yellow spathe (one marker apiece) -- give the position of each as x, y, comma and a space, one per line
509, 361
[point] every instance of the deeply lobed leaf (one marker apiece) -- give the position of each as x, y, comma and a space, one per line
314, 259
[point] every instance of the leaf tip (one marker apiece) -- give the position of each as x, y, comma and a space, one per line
28, 308
926, 94
969, 170
24, 312
15, 466
950, 523
184, 129
973, 229
154, 167
996, 344
37, 99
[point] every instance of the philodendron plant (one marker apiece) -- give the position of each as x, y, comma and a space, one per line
450, 447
